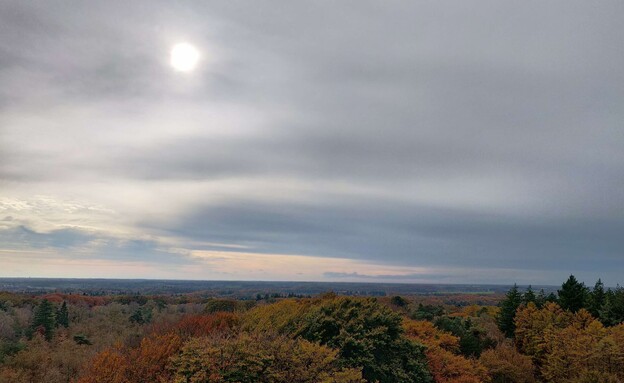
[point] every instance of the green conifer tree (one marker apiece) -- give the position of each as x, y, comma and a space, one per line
44, 319
573, 295
62, 316
596, 299
541, 299
529, 296
507, 314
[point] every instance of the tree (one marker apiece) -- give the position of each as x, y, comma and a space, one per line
444, 364
62, 316
612, 312
540, 300
573, 295
141, 316
529, 296
507, 314
248, 358
506, 365
110, 366
533, 325
472, 339
220, 305
367, 335
399, 301
44, 320
427, 312
596, 299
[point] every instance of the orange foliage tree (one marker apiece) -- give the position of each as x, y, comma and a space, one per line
148, 362
444, 364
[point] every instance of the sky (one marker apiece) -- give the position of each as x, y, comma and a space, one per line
382, 141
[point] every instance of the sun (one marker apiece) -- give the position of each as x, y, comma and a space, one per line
184, 57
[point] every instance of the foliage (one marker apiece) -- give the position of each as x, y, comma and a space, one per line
252, 358
82, 339
445, 366
218, 305
596, 299
612, 312
367, 335
199, 325
427, 312
472, 339
568, 346
508, 308
572, 295
44, 320
506, 365
399, 301
283, 317
73, 338
529, 296
62, 316
141, 316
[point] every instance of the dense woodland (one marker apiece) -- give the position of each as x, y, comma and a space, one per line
574, 336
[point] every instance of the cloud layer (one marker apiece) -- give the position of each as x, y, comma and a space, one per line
455, 141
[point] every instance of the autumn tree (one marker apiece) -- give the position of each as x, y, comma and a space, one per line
569, 347
506, 365
248, 358
283, 317
442, 348
109, 366
148, 362
533, 325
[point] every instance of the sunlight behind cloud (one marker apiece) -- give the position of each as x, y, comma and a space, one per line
184, 57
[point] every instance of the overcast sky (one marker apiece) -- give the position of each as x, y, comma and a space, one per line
423, 141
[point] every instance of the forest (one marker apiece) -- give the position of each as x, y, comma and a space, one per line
573, 335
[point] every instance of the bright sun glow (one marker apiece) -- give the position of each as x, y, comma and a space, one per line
184, 57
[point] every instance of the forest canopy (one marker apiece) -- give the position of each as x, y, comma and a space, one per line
574, 335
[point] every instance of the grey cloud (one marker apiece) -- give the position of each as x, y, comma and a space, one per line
405, 234
376, 96
76, 243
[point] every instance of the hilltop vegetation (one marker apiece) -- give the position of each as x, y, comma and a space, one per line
574, 336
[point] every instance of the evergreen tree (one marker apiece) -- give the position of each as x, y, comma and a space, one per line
552, 298
367, 335
529, 296
596, 299
507, 314
44, 320
612, 312
573, 295
541, 299
62, 316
